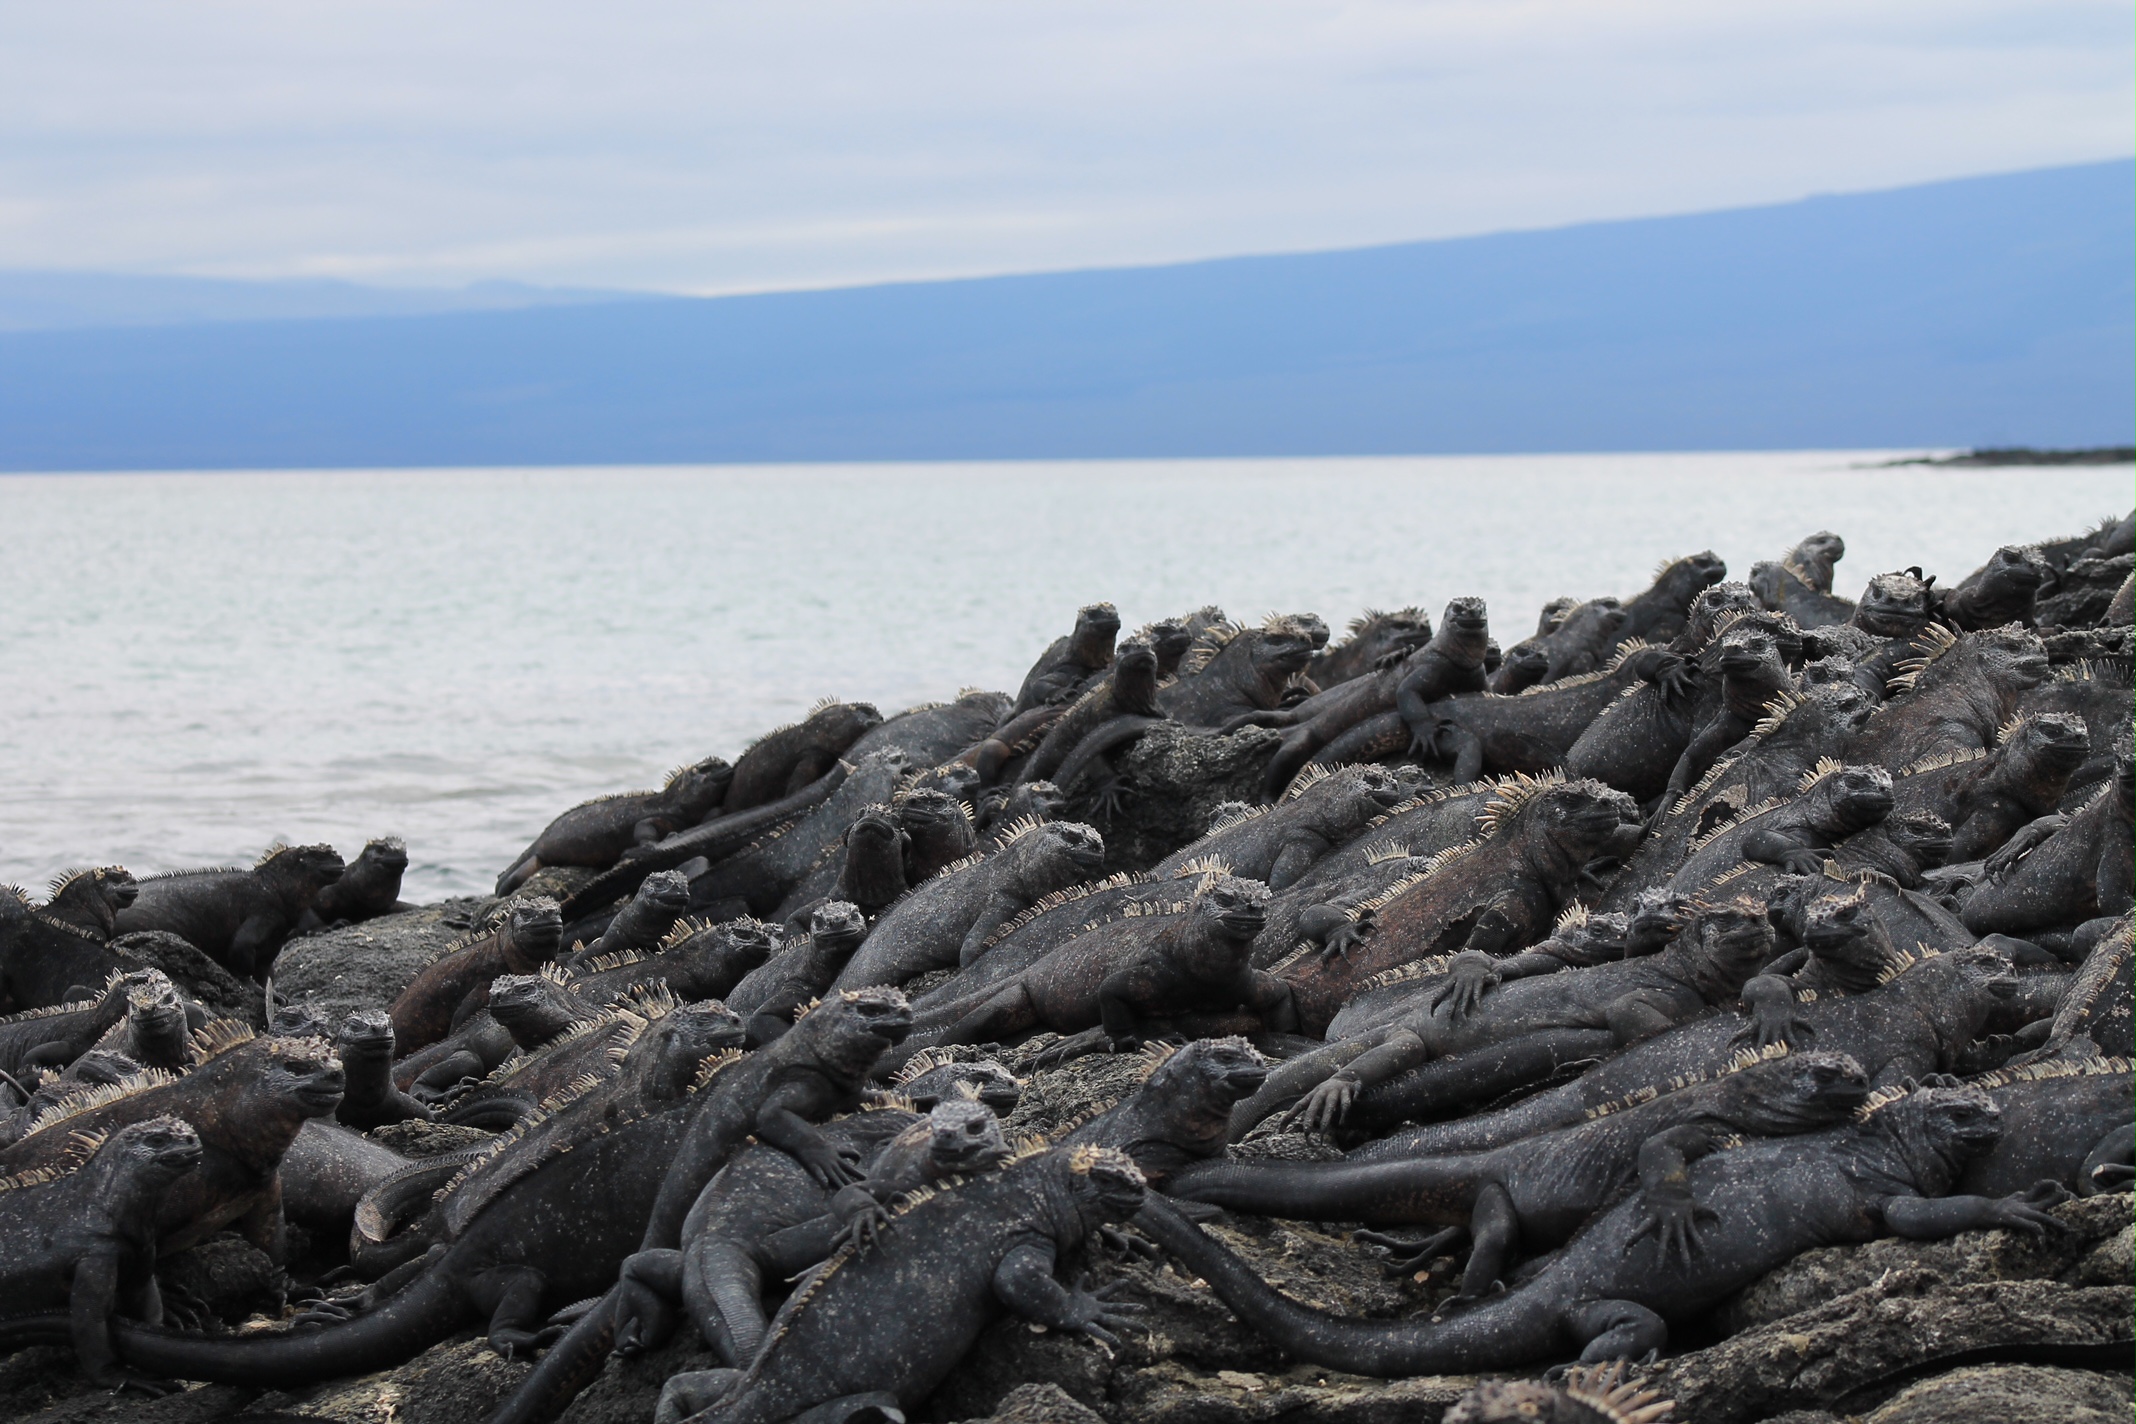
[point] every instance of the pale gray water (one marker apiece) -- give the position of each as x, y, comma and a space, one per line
200, 664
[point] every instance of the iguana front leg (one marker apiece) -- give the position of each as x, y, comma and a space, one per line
998, 907
1931, 1219
1327, 1105
253, 942
1024, 1282
780, 1123
1774, 848
1295, 859
1669, 1212
1773, 1016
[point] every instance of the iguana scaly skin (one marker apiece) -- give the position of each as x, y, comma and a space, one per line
1794, 834
1534, 730
156, 1029
518, 1087
695, 961
934, 732
51, 1038
643, 921
871, 867
2097, 692
2062, 1122
1371, 640
800, 972
1499, 894
1917, 1023
783, 762
1472, 1039
524, 1012
889, 1321
935, 1076
2093, 1017
91, 899
1070, 662
1530, 1196
79, 1235
1053, 920
1660, 611
2061, 871
1178, 1115
938, 830
1129, 690
523, 939
369, 1097
1279, 844
1588, 1394
1954, 697
1576, 641
1104, 990
1231, 671
238, 918
1998, 592
1693, 1235
597, 832
1800, 584
247, 1099
945, 921
368, 888
1988, 798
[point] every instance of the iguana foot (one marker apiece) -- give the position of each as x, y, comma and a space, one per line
1406, 1258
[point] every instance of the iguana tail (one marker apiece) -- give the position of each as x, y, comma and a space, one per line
428, 1310
1399, 1193
1512, 1330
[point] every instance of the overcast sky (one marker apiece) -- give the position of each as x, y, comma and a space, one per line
702, 146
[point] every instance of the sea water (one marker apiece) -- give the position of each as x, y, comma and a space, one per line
197, 665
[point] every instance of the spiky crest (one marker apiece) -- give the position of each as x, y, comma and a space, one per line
1606, 1390
1944, 760
1626, 650
2051, 1069
81, 1146
1053, 900
1934, 640
1309, 776
1509, 795
96, 1095
1742, 1058
218, 1036
1201, 865
683, 929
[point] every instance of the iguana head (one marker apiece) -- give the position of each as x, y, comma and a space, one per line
1813, 558
1231, 908
153, 1005
305, 869
534, 928
1066, 847
1169, 639
1030, 801
842, 723
1923, 836
744, 942
1753, 663
1580, 817
963, 1135
1107, 1185
532, 1007
1683, 579
1797, 1092
1842, 930
1281, 648
1096, 626
2010, 578
1464, 632
160, 1149
87, 897
699, 787
2013, 655
875, 855
297, 1018
982, 1082
300, 1072
1856, 797
1895, 605
1134, 677
952, 778
1524, 665
1212, 1073
849, 1031
837, 925
925, 813
1712, 606
367, 1036
703, 1027
1978, 975
1342, 803
1595, 623
1938, 1130
98, 1066
1657, 914
1588, 1394
1732, 941
383, 857
1600, 936
664, 894
2048, 747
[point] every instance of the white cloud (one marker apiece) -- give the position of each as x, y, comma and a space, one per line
721, 147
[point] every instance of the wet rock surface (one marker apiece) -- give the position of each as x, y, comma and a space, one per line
214, 988
363, 966
1172, 781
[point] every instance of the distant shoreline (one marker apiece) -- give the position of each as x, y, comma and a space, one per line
2023, 455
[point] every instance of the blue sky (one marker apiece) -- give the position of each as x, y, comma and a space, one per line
715, 147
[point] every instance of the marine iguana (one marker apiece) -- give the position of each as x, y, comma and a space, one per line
79, 1235
2098, 693
91, 899
238, 918
1116, 710
1518, 668
1659, 612
1998, 592
1800, 584
695, 961
1070, 662
524, 1011
1752, 663
247, 1099
654, 907
999, 809
1588, 1394
1482, 1039
871, 874
1580, 641
933, 732
1102, 989
646, 1062
369, 1096
1532, 1195
53, 1037
1280, 843
1371, 641
1532, 731
1232, 670
368, 888
1917, 1023
517, 1087
801, 971
760, 875
2061, 1121
782, 763
944, 921
596, 833
2094, 1015
709, 842
1053, 920
156, 1030
1497, 894
522, 939
96, 1068
2061, 871
956, 1258
1795, 833
1954, 696
1988, 798
934, 1076
1177, 1116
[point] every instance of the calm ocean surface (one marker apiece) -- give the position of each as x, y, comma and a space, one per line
201, 664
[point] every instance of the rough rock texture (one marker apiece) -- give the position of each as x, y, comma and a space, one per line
460, 1380
230, 1274
414, 1138
216, 989
1173, 780
363, 966
1040, 1404
2012, 1394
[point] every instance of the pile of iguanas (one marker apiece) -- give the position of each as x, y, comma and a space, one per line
1700, 928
